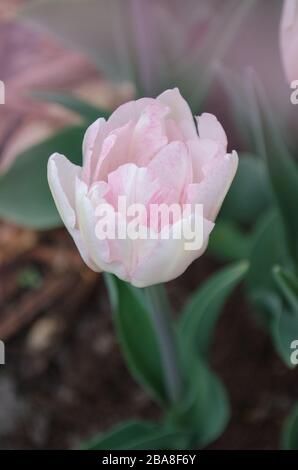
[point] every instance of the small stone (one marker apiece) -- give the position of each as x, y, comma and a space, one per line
42, 333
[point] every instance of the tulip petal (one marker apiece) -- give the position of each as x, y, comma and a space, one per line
202, 152
91, 148
210, 128
61, 178
127, 112
98, 250
123, 208
168, 258
149, 133
180, 112
133, 182
212, 190
62, 175
172, 168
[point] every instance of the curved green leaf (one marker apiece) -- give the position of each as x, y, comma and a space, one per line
268, 249
25, 197
204, 411
137, 435
120, 436
228, 243
282, 324
288, 285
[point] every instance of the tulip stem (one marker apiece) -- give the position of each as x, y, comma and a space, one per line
160, 311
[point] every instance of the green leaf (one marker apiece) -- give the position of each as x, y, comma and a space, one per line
25, 197
138, 435
266, 285
268, 249
138, 339
212, 409
72, 103
288, 285
202, 311
282, 324
250, 193
162, 439
290, 431
204, 410
228, 243
121, 436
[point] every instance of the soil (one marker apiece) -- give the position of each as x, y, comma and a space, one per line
65, 380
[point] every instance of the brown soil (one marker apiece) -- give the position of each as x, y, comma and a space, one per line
65, 379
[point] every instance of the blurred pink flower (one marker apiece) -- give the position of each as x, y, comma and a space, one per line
151, 152
289, 39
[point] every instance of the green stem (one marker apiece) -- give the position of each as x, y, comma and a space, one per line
165, 332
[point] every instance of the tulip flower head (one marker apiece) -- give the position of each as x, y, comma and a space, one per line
149, 154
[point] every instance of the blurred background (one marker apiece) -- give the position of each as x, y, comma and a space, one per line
64, 379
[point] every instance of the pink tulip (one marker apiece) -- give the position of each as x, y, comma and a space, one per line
289, 39
151, 152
